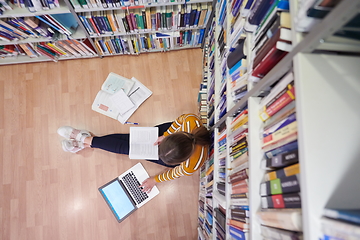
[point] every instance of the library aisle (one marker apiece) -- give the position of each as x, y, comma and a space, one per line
46, 193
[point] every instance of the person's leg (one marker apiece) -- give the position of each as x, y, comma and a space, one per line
116, 143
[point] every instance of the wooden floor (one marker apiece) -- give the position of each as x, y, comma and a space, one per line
46, 193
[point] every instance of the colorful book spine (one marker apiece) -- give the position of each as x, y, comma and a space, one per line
288, 184
289, 200
279, 102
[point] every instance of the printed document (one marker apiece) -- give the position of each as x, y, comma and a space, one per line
142, 141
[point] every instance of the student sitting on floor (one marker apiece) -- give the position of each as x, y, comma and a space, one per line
183, 146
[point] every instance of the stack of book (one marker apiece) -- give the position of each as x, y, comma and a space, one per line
209, 174
53, 50
88, 4
312, 12
8, 51
220, 222
208, 218
45, 26
202, 96
201, 217
222, 152
271, 23
31, 5
237, 65
341, 223
136, 44
211, 79
201, 214
280, 188
222, 54
222, 104
165, 18
237, 60
238, 176
206, 193
239, 11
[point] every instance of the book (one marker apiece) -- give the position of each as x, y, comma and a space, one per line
283, 172
240, 175
244, 213
66, 21
288, 200
336, 229
278, 40
275, 10
289, 219
290, 184
237, 54
240, 184
142, 141
284, 153
284, 113
286, 96
220, 217
282, 122
239, 224
257, 13
240, 202
276, 233
281, 23
239, 160
280, 134
281, 142
240, 167
268, 62
344, 214
238, 234
240, 190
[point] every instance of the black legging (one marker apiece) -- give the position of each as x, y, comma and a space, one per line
120, 143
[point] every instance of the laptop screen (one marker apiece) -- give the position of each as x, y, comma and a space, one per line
118, 199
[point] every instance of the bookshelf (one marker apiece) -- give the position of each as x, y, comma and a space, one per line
104, 29
325, 70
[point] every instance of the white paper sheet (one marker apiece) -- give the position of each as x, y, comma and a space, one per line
142, 141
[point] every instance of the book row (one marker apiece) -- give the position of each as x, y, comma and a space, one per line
52, 50
31, 5
211, 76
202, 95
88, 4
270, 23
136, 44
45, 26
150, 19
280, 188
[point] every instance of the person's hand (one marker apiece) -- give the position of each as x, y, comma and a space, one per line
158, 141
148, 184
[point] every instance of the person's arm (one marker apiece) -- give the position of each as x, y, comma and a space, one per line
185, 122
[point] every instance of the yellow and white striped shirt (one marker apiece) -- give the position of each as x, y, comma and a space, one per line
186, 123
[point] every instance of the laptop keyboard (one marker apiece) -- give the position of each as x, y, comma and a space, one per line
133, 184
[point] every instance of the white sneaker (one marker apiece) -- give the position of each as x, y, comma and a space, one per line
72, 133
72, 145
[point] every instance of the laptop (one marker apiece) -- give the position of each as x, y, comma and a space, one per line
123, 195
